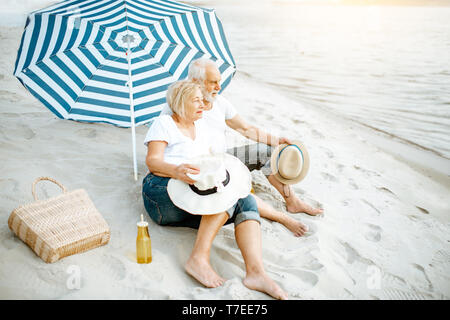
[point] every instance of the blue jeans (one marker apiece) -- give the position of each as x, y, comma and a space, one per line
163, 212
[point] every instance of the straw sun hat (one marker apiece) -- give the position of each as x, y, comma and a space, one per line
222, 181
290, 162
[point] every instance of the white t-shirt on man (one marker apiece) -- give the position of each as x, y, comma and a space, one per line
215, 120
179, 148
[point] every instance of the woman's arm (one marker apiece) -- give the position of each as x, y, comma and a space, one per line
156, 164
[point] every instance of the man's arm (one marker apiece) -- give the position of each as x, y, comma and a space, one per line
251, 132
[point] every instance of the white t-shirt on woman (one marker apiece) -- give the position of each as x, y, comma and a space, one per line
180, 148
215, 120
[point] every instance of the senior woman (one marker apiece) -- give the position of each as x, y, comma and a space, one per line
171, 141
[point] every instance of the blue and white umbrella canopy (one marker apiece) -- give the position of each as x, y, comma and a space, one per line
113, 60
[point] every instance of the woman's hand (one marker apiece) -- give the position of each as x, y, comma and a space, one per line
182, 170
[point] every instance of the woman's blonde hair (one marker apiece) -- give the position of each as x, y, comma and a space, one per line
177, 95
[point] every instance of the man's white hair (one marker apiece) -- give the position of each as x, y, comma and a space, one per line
197, 68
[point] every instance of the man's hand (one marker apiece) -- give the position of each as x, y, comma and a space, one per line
283, 140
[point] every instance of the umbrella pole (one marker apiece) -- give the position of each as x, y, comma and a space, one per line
133, 125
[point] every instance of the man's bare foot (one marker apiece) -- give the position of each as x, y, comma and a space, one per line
295, 205
262, 282
296, 227
202, 271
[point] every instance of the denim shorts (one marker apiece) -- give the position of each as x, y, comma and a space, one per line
163, 212
255, 156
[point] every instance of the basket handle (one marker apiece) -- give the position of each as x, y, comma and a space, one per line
33, 188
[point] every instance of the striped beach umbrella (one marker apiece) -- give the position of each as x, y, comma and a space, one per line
113, 60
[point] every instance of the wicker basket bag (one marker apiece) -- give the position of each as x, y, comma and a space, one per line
60, 226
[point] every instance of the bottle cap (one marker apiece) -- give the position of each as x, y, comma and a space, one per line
142, 223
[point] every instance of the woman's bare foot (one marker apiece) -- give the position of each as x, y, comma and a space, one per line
202, 271
295, 205
262, 282
296, 227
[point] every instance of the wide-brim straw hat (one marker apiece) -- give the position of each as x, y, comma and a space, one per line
222, 181
290, 162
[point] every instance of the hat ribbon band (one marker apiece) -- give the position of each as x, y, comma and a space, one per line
212, 190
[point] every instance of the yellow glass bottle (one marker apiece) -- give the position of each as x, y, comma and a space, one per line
143, 243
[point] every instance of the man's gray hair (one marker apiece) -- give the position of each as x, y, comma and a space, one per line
197, 68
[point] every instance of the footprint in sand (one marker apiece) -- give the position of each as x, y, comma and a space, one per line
328, 152
87, 133
372, 206
46, 281
297, 121
11, 241
260, 109
308, 279
352, 184
367, 172
441, 257
9, 96
329, 177
314, 265
20, 131
422, 275
115, 267
9, 186
312, 228
317, 134
374, 233
354, 256
340, 167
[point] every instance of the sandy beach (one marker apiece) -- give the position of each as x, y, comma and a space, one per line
385, 233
